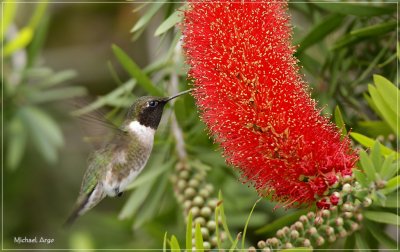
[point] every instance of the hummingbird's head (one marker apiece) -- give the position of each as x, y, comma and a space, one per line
147, 110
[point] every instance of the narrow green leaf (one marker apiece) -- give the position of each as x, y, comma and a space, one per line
170, 22
391, 185
174, 244
247, 222
282, 221
387, 113
367, 165
9, 10
46, 134
216, 217
361, 243
381, 236
375, 30
376, 156
373, 128
368, 142
135, 201
198, 238
57, 94
189, 225
23, 38
382, 217
389, 91
349, 243
38, 40
234, 244
145, 19
130, 66
362, 10
362, 178
387, 169
165, 242
16, 141
339, 121
38, 14
57, 78
223, 218
320, 31
392, 201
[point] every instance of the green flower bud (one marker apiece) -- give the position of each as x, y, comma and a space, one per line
354, 226
280, 233
288, 245
189, 193
209, 187
214, 241
359, 217
329, 231
195, 211
318, 221
332, 238
212, 203
342, 232
266, 250
211, 225
347, 215
320, 241
298, 225
194, 183
204, 193
306, 243
181, 184
205, 233
294, 234
339, 221
261, 244
200, 220
312, 231
325, 213
252, 249
303, 219
206, 245
198, 201
346, 188
367, 202
187, 204
347, 207
310, 215
184, 174
206, 211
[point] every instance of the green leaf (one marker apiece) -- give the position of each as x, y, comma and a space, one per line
391, 185
145, 19
198, 238
247, 222
22, 39
165, 242
362, 178
135, 201
367, 165
282, 221
339, 121
38, 40
375, 30
57, 78
38, 14
376, 157
382, 217
16, 141
368, 142
381, 236
349, 243
234, 244
389, 91
151, 175
57, 94
174, 244
223, 218
361, 243
216, 217
362, 10
189, 225
130, 66
387, 169
391, 201
45, 132
388, 114
320, 31
170, 22
9, 10
374, 128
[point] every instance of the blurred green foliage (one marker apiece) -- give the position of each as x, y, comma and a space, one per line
342, 47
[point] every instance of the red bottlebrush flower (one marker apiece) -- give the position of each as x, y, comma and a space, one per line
323, 204
334, 199
255, 103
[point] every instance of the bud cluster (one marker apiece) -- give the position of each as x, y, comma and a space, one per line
338, 216
194, 194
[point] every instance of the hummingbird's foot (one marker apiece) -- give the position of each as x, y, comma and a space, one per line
120, 194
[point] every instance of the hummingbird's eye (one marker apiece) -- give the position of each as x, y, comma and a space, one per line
152, 104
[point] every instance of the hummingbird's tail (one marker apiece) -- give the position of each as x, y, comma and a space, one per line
84, 203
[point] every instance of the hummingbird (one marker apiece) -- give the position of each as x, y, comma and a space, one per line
114, 166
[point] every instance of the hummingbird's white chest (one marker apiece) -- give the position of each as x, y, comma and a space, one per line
132, 162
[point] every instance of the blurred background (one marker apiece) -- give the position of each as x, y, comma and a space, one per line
55, 53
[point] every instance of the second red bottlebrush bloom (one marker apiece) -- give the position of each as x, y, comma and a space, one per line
255, 103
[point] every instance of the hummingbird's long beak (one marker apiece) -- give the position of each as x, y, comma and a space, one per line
178, 94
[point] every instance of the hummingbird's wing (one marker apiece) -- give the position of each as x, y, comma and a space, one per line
91, 192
